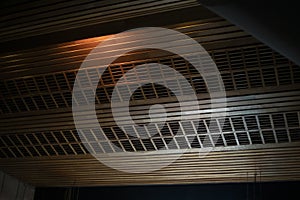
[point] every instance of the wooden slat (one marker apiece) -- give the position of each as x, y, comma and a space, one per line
67, 15
236, 106
279, 162
69, 56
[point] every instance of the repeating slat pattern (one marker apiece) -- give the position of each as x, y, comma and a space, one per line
269, 164
237, 131
262, 127
53, 90
42, 17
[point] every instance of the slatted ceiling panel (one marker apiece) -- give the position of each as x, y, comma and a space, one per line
263, 112
59, 85
279, 162
47, 17
63, 54
237, 106
233, 134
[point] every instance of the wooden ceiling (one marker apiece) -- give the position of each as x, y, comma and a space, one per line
38, 140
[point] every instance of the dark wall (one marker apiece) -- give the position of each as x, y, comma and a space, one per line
275, 23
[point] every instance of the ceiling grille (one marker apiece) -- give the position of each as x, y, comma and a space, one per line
237, 131
54, 90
